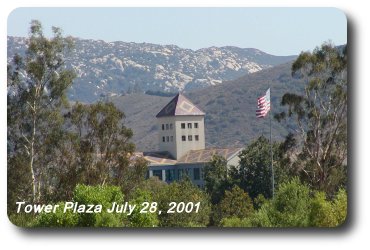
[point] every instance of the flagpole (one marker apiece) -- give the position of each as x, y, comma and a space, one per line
272, 167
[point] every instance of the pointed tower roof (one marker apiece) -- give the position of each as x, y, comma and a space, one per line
180, 105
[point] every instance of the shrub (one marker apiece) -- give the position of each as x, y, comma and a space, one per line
137, 219
84, 195
104, 195
235, 222
57, 219
183, 191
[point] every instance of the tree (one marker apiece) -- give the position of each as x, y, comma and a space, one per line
104, 144
87, 195
100, 150
340, 206
254, 172
37, 84
138, 219
216, 178
236, 203
235, 222
320, 116
322, 214
183, 191
290, 207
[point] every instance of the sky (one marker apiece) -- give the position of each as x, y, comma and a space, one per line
278, 31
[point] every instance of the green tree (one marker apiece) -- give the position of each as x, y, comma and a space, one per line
137, 219
322, 213
290, 207
340, 206
328, 213
320, 116
236, 203
98, 150
254, 172
182, 191
57, 219
99, 195
86, 195
235, 222
295, 205
19, 181
216, 178
37, 84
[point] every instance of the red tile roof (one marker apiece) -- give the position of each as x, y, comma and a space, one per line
180, 105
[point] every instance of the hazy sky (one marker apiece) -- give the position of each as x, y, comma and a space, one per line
278, 31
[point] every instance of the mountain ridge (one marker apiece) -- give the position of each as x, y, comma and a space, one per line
107, 69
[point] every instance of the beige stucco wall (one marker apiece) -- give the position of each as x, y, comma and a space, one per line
167, 146
184, 146
178, 147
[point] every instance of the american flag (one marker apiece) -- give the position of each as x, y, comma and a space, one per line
263, 105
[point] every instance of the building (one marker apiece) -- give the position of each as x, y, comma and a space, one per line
182, 144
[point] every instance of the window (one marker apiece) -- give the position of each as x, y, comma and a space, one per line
196, 137
171, 138
183, 125
158, 173
196, 174
167, 138
196, 125
167, 127
183, 172
162, 126
163, 139
171, 126
190, 137
180, 173
183, 138
170, 175
189, 125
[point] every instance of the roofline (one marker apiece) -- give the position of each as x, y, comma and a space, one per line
178, 115
176, 97
161, 165
197, 162
237, 152
188, 163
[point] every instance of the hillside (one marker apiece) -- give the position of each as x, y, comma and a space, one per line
230, 109
112, 68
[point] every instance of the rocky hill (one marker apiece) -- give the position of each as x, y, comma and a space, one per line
114, 68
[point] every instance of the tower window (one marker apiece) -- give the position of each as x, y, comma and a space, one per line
190, 137
183, 125
171, 138
183, 138
163, 139
171, 126
189, 125
167, 138
162, 126
167, 127
195, 125
196, 137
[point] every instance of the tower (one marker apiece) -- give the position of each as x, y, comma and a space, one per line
181, 127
